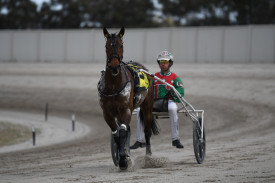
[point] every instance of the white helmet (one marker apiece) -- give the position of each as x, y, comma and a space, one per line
165, 55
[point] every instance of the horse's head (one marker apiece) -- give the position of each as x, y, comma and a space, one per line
114, 50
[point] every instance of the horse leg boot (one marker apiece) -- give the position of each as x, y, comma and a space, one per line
116, 136
123, 164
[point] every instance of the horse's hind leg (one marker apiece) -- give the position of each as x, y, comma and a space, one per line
146, 109
148, 145
147, 120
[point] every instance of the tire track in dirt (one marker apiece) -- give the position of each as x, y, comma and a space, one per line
239, 133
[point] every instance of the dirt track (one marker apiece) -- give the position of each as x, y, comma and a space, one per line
239, 104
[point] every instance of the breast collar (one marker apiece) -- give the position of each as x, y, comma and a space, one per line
120, 90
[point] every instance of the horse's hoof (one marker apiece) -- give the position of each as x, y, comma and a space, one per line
123, 163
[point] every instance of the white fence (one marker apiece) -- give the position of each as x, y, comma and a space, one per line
229, 44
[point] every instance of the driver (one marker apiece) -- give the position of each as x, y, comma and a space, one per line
165, 61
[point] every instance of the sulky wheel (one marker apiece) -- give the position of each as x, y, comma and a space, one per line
199, 142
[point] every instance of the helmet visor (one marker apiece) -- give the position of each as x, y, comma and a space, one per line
163, 61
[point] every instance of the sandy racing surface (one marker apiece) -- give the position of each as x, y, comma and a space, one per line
47, 132
239, 104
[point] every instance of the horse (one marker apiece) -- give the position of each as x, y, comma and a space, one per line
118, 99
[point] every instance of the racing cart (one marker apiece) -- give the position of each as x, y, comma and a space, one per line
196, 116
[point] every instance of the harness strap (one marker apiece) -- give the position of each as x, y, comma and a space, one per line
119, 91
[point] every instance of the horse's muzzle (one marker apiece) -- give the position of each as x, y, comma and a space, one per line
114, 70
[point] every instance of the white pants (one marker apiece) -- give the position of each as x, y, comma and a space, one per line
173, 115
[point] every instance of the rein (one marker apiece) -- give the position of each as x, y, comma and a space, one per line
120, 90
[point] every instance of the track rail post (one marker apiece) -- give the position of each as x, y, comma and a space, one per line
46, 112
33, 136
73, 122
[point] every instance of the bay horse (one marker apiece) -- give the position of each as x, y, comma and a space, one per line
118, 98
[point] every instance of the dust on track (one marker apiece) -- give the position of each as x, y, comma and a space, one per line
239, 128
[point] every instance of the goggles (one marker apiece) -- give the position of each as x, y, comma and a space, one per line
164, 61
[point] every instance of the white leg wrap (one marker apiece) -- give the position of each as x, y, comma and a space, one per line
123, 126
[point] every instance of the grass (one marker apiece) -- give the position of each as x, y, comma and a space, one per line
13, 133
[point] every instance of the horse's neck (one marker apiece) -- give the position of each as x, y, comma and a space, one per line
113, 82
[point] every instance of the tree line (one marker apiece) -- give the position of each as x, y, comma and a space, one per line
75, 14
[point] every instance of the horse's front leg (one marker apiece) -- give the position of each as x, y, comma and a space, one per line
110, 120
124, 138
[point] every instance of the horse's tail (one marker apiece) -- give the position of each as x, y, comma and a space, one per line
154, 125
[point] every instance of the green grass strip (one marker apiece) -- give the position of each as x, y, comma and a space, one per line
13, 133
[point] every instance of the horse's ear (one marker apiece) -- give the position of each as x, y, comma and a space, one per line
105, 32
121, 32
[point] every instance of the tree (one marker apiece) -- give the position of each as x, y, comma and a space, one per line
95, 13
218, 12
180, 9
128, 13
74, 14
63, 13
254, 11
20, 14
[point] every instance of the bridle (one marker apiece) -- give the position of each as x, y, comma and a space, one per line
114, 54
114, 50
